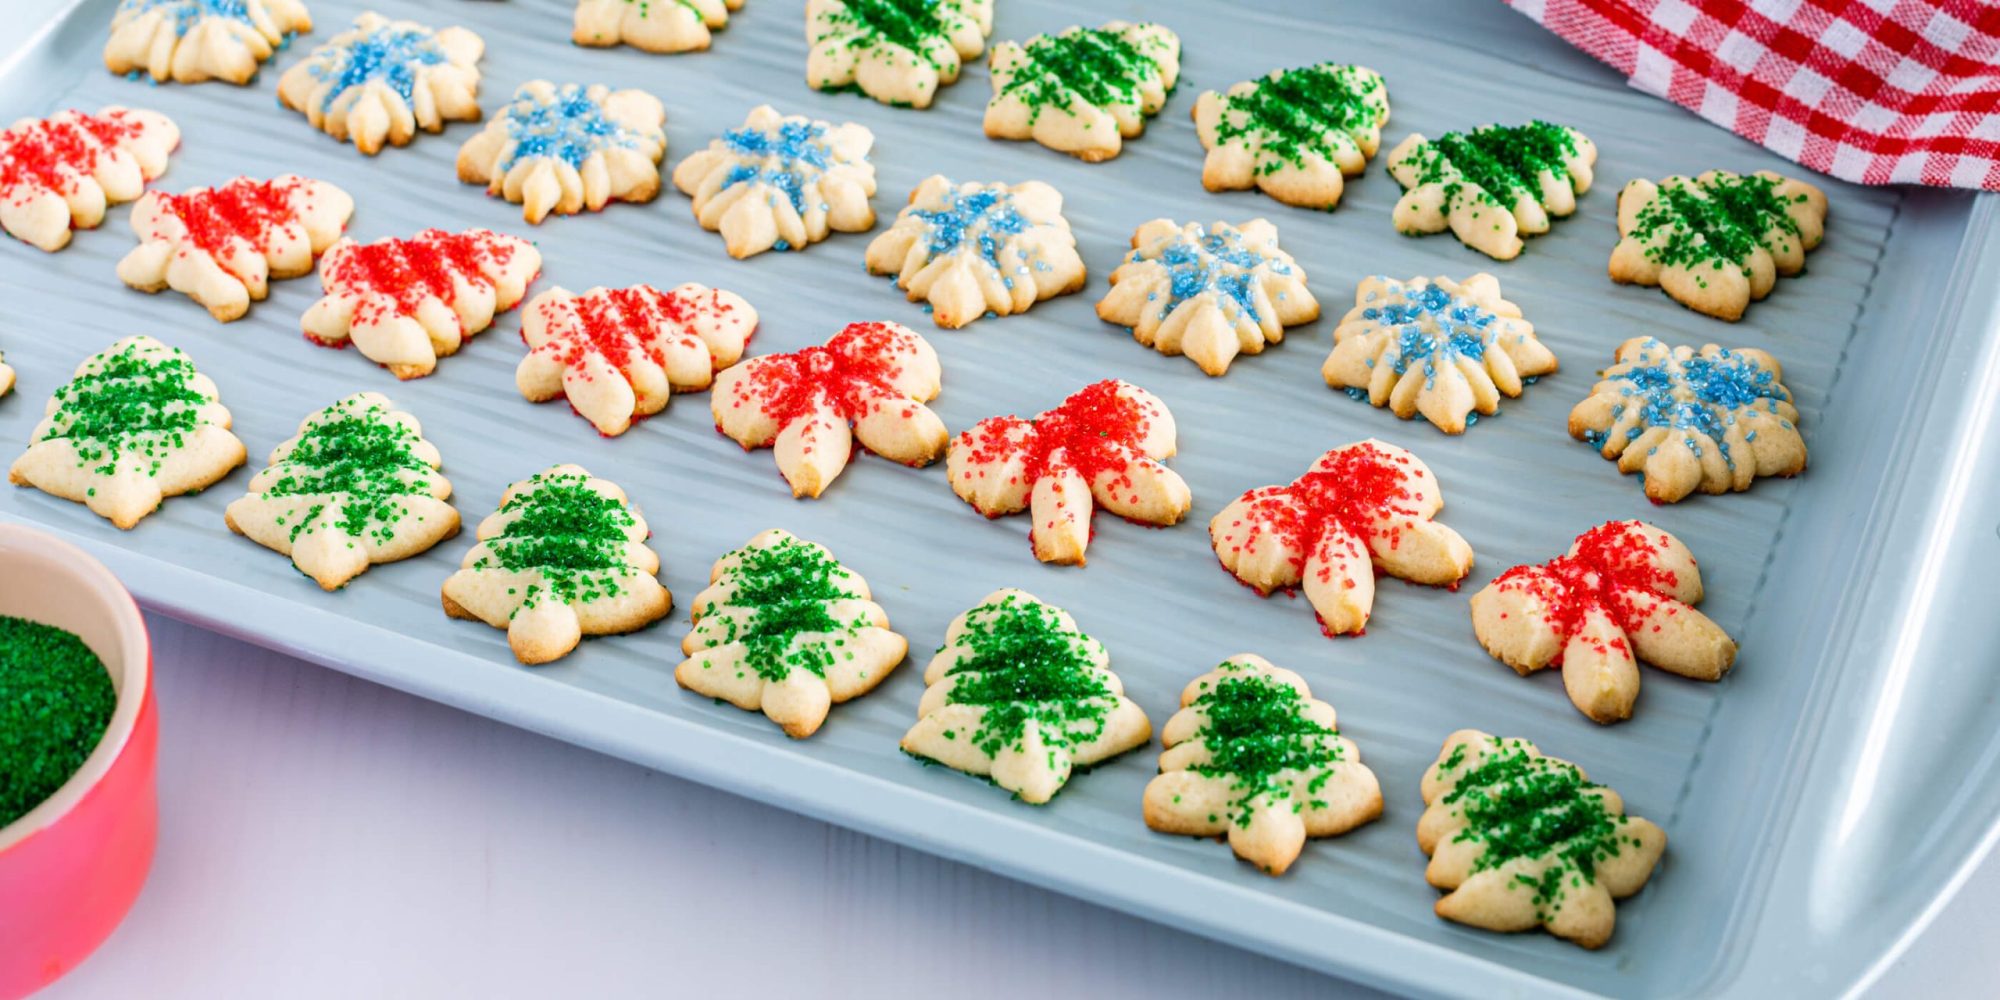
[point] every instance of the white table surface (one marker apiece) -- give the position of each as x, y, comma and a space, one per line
322, 836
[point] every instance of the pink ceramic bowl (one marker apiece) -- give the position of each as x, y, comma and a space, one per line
72, 866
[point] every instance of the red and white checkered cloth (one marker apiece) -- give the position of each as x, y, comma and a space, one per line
1873, 91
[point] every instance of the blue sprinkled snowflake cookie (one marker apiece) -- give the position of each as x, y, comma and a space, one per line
972, 250
1436, 347
781, 182
1209, 293
564, 149
381, 80
1713, 419
189, 41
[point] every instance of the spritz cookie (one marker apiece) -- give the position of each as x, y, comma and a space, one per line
381, 80
1020, 696
223, 246
1436, 347
1209, 293
1718, 241
1523, 840
6, 375
619, 354
60, 173
1491, 186
189, 41
565, 556
1102, 446
1083, 91
1296, 134
1623, 593
898, 52
568, 149
135, 425
356, 486
781, 182
662, 26
405, 303
1253, 756
786, 629
1712, 420
1362, 508
967, 250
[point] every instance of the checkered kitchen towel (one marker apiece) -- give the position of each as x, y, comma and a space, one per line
1874, 91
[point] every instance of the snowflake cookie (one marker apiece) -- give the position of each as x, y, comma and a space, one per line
1493, 185
1019, 696
1083, 91
223, 246
620, 353
570, 148
1253, 756
357, 485
59, 173
565, 556
408, 302
781, 182
662, 26
1623, 593
898, 52
1101, 447
381, 80
1522, 840
1362, 508
786, 629
1716, 242
1296, 134
1435, 346
872, 377
1713, 420
1210, 294
135, 425
972, 249
188, 41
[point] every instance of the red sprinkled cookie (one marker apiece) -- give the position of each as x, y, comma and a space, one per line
222, 246
408, 302
59, 173
620, 353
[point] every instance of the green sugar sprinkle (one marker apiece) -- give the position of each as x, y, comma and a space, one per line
133, 405
789, 585
55, 701
1721, 220
1503, 163
916, 26
1256, 728
1024, 665
1098, 67
364, 455
571, 535
1518, 805
1312, 110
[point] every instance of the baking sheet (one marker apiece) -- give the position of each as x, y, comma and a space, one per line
1721, 766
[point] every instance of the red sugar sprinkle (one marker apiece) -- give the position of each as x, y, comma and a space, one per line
51, 153
1615, 568
1360, 488
241, 210
1097, 429
424, 266
855, 372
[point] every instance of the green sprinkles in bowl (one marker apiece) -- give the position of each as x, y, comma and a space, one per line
56, 699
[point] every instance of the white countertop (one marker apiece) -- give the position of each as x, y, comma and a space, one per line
322, 836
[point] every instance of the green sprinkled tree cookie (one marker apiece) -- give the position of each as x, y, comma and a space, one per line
1522, 840
1254, 756
658, 26
1019, 696
898, 52
1492, 185
565, 556
137, 424
1083, 91
784, 628
357, 485
1296, 135
1719, 241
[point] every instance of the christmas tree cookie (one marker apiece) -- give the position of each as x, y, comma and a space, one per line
662, 26
382, 80
781, 182
1521, 840
1719, 241
1019, 696
1296, 134
1083, 91
1436, 347
971, 249
1209, 293
405, 303
568, 149
620, 353
59, 173
784, 628
898, 52
565, 556
189, 41
1254, 756
1493, 185
223, 246
135, 425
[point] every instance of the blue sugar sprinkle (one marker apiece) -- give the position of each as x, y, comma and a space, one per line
793, 155
1718, 387
986, 218
570, 127
188, 13
389, 54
